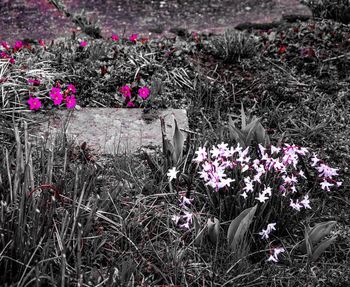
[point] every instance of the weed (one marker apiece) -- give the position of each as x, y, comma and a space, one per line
233, 45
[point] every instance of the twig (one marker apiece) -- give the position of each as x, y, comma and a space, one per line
335, 58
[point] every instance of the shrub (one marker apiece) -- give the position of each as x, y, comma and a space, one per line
338, 10
233, 45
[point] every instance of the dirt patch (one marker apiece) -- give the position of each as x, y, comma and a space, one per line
37, 19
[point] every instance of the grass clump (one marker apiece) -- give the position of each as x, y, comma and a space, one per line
233, 46
338, 10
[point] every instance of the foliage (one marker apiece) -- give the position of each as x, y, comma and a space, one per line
338, 10
69, 219
313, 244
251, 133
90, 28
233, 46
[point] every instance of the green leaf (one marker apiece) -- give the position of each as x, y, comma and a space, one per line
199, 231
307, 242
320, 230
261, 136
243, 117
322, 247
239, 226
178, 143
213, 230
235, 133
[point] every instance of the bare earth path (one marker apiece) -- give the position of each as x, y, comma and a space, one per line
36, 19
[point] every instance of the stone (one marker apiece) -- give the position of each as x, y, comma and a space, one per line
108, 131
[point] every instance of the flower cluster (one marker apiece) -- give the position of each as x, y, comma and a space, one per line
7, 52
258, 175
56, 94
130, 95
274, 252
185, 202
275, 171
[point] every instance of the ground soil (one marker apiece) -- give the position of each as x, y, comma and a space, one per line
35, 19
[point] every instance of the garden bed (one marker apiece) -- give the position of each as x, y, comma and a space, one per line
69, 220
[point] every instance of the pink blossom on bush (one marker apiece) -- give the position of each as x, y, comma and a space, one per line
115, 37
83, 43
126, 91
42, 43
71, 88
130, 104
34, 103
144, 93
56, 96
70, 102
5, 45
133, 37
18, 45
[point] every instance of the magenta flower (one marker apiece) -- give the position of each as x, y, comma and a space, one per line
56, 96
133, 37
12, 60
42, 43
70, 102
18, 45
71, 88
34, 103
126, 91
83, 44
55, 90
130, 104
115, 37
5, 45
144, 93
4, 55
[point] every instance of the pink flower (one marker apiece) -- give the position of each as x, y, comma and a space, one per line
12, 60
18, 45
42, 43
57, 98
4, 55
83, 44
71, 88
5, 45
144, 93
70, 102
130, 104
133, 37
34, 103
326, 171
55, 90
115, 37
126, 91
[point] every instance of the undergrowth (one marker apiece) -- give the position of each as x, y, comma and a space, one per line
69, 218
